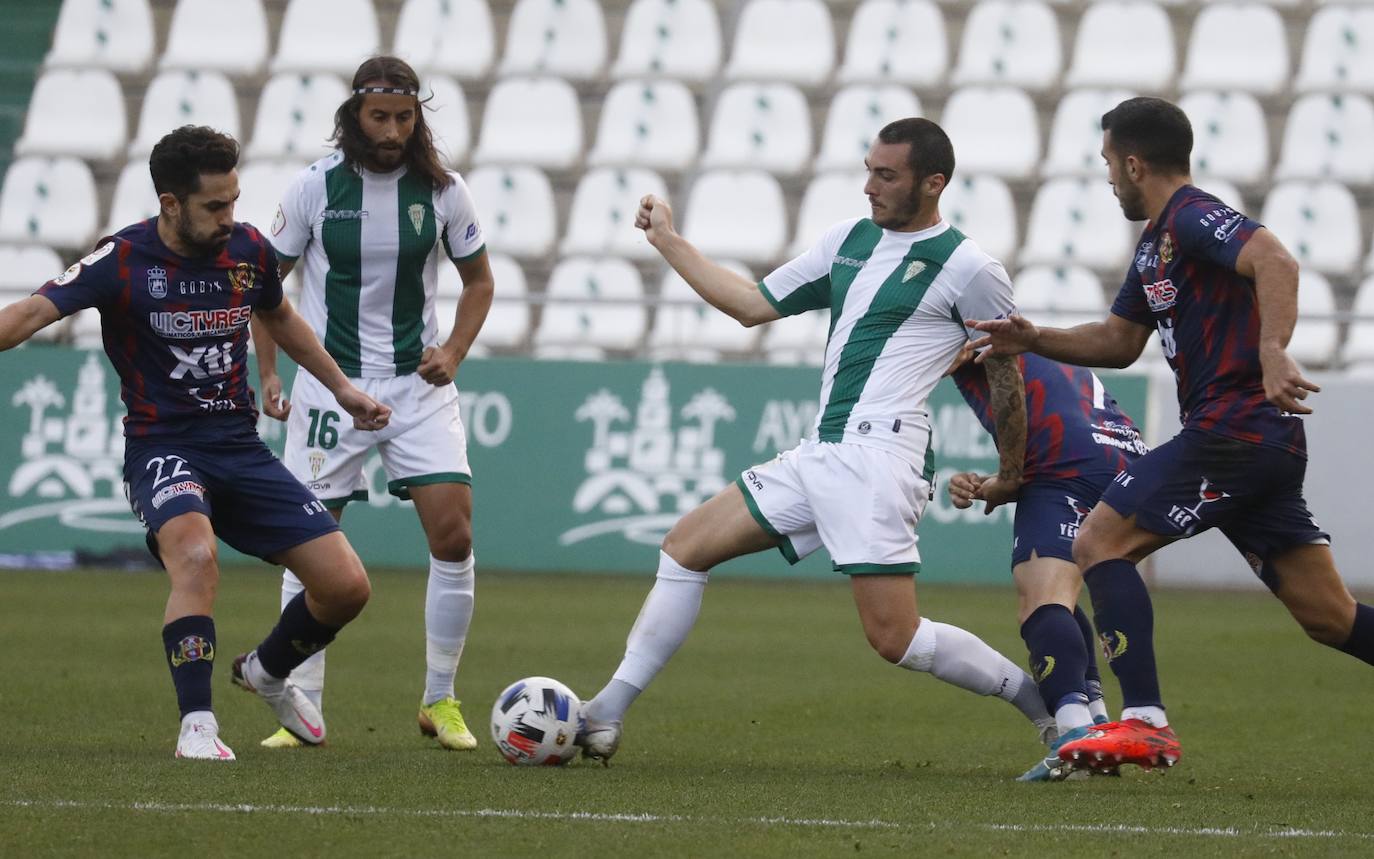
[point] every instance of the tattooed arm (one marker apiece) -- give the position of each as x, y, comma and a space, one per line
1007, 393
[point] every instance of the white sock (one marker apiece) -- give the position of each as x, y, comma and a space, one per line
962, 659
309, 675
1150, 715
448, 613
199, 717
258, 677
1097, 708
669, 613
1071, 716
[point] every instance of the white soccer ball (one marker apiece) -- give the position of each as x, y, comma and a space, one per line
534, 722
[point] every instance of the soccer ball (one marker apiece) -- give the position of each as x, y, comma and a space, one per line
534, 722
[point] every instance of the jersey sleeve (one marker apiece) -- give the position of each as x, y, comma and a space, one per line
93, 281
272, 291
1130, 303
803, 283
1207, 228
293, 225
463, 239
988, 295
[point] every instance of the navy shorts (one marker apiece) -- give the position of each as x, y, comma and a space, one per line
1198, 480
253, 502
1048, 514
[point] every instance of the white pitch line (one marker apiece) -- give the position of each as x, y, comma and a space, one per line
607, 817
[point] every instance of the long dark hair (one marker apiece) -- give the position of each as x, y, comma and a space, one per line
420, 154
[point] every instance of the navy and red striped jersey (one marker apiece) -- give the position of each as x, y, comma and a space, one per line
176, 329
1074, 428
1184, 283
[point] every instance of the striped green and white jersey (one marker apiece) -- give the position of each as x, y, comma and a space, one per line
372, 244
897, 303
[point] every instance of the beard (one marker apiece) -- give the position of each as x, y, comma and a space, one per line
1132, 202
386, 156
201, 245
894, 218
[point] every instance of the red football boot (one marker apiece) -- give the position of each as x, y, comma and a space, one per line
1130, 742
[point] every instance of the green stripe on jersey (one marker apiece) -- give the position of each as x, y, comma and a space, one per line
416, 237
342, 237
893, 303
849, 260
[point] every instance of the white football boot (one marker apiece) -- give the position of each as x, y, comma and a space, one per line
599, 741
200, 740
294, 710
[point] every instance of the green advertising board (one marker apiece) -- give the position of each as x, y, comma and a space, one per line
578, 467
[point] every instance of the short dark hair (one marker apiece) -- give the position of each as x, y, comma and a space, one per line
931, 151
421, 156
181, 157
1154, 130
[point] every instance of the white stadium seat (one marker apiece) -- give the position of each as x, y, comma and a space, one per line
177, 98
579, 319
1359, 341
737, 214
1225, 191
296, 117
1009, 42
902, 41
1230, 136
77, 112
982, 208
508, 322
783, 40
1319, 223
446, 113
647, 123
1314, 338
857, 113
1240, 46
601, 221
1337, 53
760, 125
694, 330
262, 184
104, 34
1075, 147
829, 198
135, 199
515, 207
797, 340
531, 121
994, 130
203, 37
49, 201
24, 268
566, 38
1123, 43
447, 37
1329, 136
676, 38
1077, 221
327, 36
1059, 296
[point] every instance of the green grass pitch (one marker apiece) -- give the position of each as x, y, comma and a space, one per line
775, 732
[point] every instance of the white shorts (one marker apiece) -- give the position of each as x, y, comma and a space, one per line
861, 503
424, 443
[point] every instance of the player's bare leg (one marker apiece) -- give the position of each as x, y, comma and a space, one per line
1313, 592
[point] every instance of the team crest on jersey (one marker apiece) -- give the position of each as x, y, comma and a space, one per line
914, 270
1166, 248
242, 277
417, 216
157, 282
316, 464
279, 222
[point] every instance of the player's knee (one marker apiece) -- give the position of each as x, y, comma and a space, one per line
455, 544
1325, 627
353, 593
890, 643
1087, 549
193, 566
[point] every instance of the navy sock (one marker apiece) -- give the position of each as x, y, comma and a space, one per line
1125, 620
1092, 677
1360, 644
296, 637
189, 643
1058, 657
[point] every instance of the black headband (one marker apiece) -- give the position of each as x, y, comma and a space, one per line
384, 90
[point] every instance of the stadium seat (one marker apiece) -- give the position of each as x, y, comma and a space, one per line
994, 130
446, 113
326, 36
760, 125
531, 121
508, 322
678, 39
1329, 136
203, 38
857, 114
261, 187
1075, 147
76, 112
783, 40
84, 328
1315, 335
1077, 221
601, 222
1319, 223
649, 124
1009, 42
1059, 296
49, 201
566, 38
135, 199
24, 268
829, 198
1123, 43
447, 37
579, 313
1338, 52
736, 214
983, 209
1225, 191
104, 34
1359, 341
1230, 136
296, 117
882, 34
515, 206
693, 330
181, 98
797, 340
1226, 40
